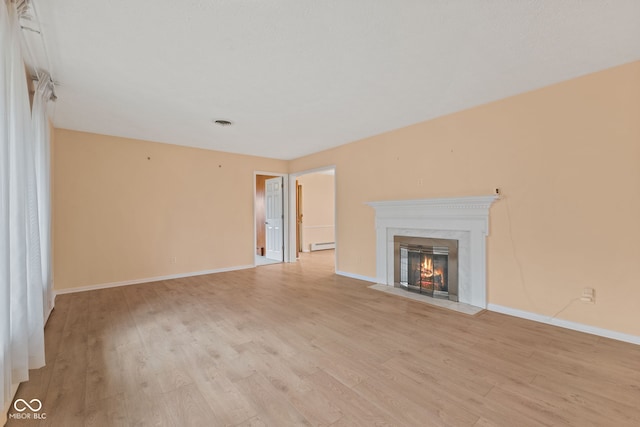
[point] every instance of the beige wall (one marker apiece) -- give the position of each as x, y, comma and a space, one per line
318, 209
567, 159
119, 216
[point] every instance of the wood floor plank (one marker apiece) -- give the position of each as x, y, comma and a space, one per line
545, 412
295, 344
356, 409
299, 392
607, 403
228, 404
150, 410
189, 407
252, 422
111, 411
400, 408
437, 410
270, 403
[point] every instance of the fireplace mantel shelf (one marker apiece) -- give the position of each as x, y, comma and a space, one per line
465, 219
470, 202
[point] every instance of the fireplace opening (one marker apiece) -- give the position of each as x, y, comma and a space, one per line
427, 266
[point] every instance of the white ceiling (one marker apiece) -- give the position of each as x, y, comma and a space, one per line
300, 76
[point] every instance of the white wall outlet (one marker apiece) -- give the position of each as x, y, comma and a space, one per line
174, 260
588, 295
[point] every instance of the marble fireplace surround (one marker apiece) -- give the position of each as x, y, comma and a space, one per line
465, 219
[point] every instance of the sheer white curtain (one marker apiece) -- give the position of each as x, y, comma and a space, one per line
42, 156
21, 262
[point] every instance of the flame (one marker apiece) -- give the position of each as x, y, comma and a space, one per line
427, 267
429, 278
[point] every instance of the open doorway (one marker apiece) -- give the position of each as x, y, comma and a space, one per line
313, 206
269, 219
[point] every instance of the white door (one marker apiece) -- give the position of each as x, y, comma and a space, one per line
273, 218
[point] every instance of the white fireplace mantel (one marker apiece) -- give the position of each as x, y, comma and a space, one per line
465, 219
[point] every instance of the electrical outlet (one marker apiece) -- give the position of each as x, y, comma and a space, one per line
174, 260
588, 295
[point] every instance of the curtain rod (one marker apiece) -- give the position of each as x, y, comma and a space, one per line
23, 7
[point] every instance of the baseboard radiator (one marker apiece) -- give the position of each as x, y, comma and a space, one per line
322, 246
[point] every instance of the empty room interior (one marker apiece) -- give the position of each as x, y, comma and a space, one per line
328, 213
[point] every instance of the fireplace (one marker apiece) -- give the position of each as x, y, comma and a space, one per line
464, 219
427, 266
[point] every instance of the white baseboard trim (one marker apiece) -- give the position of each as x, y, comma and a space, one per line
46, 319
150, 279
322, 246
357, 276
633, 339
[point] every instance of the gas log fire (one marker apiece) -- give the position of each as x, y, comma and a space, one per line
427, 266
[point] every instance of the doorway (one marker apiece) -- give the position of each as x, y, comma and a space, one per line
313, 206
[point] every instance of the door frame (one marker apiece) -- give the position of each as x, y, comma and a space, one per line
299, 214
291, 225
285, 214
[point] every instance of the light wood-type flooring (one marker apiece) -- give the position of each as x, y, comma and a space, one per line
295, 345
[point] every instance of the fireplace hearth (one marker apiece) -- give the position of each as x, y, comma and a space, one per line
427, 266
